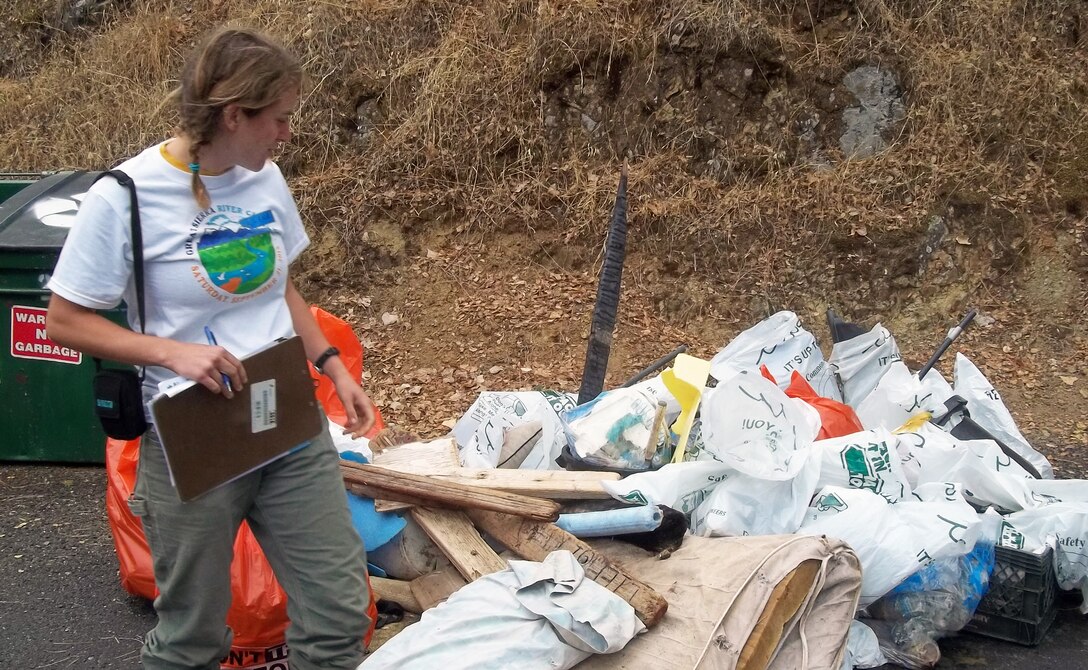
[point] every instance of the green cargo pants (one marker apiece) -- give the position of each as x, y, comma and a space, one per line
297, 509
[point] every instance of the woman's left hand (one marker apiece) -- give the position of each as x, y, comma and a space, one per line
357, 406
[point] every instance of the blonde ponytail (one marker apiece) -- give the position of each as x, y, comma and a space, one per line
200, 191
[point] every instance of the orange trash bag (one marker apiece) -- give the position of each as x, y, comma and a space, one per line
836, 419
340, 335
258, 612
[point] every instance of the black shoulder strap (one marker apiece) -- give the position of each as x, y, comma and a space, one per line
137, 243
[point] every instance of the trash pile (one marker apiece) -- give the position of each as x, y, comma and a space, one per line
929, 483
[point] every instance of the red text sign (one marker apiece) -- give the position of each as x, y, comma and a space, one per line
28, 338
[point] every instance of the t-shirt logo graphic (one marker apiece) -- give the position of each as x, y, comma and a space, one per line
238, 255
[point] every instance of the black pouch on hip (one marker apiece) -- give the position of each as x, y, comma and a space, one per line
119, 403
118, 394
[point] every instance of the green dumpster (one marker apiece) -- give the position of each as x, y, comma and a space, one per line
46, 411
13, 182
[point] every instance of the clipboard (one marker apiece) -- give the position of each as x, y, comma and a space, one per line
210, 440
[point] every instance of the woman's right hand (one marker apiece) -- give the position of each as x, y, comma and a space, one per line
82, 328
206, 365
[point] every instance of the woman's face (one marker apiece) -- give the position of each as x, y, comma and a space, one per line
256, 138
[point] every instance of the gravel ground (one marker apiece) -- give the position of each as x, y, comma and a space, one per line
62, 606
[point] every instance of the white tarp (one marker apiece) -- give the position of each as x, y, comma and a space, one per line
531, 616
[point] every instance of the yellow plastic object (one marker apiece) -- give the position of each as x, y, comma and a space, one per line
914, 423
686, 380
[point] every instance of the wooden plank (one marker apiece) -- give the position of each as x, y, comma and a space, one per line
551, 484
446, 494
455, 535
398, 500
438, 455
534, 540
434, 587
415, 457
381, 505
397, 590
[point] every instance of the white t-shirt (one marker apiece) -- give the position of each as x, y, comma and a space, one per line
224, 267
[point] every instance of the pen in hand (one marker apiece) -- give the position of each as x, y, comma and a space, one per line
211, 340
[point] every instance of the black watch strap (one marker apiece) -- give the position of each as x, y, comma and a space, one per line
324, 357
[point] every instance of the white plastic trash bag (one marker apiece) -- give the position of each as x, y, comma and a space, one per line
783, 345
900, 396
721, 501
343, 443
531, 616
866, 460
657, 390
614, 429
988, 475
915, 448
861, 361
752, 426
1046, 491
740, 504
862, 648
480, 432
681, 486
986, 408
893, 541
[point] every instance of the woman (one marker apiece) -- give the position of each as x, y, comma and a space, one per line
219, 229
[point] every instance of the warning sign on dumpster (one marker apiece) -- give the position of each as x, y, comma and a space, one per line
28, 338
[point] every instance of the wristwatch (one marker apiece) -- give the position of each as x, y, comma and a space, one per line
319, 364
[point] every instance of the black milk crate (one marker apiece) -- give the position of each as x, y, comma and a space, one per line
1021, 602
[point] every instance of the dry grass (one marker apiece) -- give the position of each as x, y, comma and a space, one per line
478, 112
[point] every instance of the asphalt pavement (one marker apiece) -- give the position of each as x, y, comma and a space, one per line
61, 601
62, 605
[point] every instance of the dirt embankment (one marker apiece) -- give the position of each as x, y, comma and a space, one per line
456, 164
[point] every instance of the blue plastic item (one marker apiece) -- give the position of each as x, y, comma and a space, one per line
611, 522
376, 528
